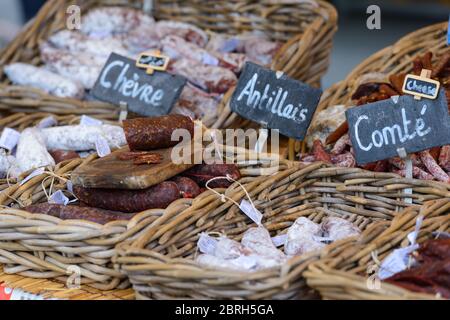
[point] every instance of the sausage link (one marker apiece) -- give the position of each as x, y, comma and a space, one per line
158, 196
341, 144
345, 160
63, 155
204, 172
188, 187
97, 215
433, 167
320, 153
155, 133
444, 158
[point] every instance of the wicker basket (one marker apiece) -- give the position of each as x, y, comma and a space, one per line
160, 263
390, 60
41, 246
341, 275
50, 289
21, 121
307, 28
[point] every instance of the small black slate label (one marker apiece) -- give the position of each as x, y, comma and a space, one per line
275, 100
147, 95
378, 129
154, 61
420, 86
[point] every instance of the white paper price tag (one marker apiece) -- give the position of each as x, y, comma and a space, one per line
395, 262
47, 122
280, 240
9, 138
230, 45
251, 212
209, 59
69, 186
206, 243
102, 147
35, 173
89, 121
412, 236
58, 198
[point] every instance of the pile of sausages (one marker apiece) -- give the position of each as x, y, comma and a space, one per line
143, 135
73, 59
46, 146
433, 164
257, 250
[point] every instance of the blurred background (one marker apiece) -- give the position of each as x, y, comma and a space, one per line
353, 42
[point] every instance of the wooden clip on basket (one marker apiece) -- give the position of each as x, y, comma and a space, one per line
347, 273
306, 28
160, 264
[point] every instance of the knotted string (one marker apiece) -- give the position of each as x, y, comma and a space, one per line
224, 197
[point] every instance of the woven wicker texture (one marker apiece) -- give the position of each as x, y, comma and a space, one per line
160, 263
306, 27
394, 59
390, 60
56, 290
41, 246
348, 272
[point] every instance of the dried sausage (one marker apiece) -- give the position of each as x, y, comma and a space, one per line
63, 155
40, 78
31, 150
320, 153
63, 212
204, 172
188, 187
158, 196
82, 137
433, 167
155, 133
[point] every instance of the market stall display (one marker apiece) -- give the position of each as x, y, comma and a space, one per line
317, 192
63, 233
358, 269
381, 77
207, 44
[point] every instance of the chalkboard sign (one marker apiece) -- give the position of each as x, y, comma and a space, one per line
378, 129
275, 100
152, 61
147, 95
420, 86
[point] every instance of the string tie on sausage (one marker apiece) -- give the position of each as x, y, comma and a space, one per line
224, 197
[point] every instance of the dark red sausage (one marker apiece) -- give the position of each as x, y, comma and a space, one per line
320, 153
188, 187
155, 133
80, 213
202, 173
63, 155
158, 196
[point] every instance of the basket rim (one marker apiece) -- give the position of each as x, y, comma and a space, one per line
326, 15
332, 93
334, 272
